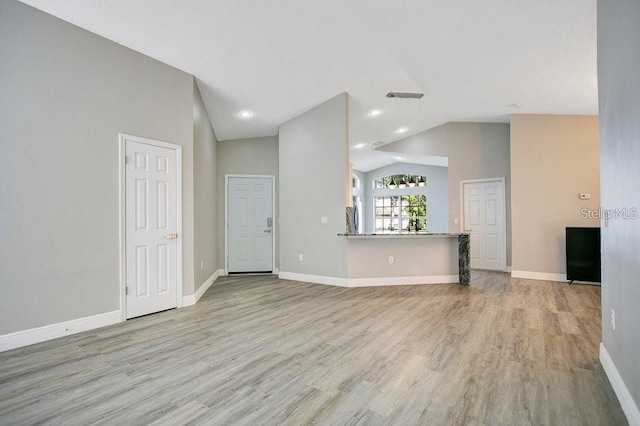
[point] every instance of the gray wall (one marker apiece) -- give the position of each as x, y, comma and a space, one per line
313, 183
257, 156
618, 92
66, 94
553, 159
436, 190
204, 193
475, 151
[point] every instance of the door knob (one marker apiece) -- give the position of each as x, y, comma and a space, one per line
268, 231
172, 236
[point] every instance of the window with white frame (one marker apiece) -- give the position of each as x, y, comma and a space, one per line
400, 181
395, 214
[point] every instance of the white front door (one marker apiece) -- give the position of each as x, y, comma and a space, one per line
484, 219
250, 224
151, 211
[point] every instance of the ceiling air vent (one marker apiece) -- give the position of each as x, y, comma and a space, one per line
405, 95
377, 144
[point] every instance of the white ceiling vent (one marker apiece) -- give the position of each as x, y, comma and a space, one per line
377, 144
405, 95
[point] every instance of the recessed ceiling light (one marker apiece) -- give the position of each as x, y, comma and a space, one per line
245, 114
516, 105
375, 113
398, 158
360, 145
402, 129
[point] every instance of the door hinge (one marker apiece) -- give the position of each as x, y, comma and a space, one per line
126, 290
126, 159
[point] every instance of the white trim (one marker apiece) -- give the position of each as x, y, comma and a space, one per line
369, 282
122, 243
509, 268
417, 280
53, 331
503, 261
543, 276
122, 138
314, 279
192, 299
274, 231
627, 403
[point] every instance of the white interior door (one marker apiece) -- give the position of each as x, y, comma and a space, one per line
151, 209
484, 219
250, 224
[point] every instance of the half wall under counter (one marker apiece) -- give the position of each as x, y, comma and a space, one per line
409, 258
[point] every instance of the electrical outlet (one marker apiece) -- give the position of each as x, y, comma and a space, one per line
300, 257
390, 259
202, 265
613, 319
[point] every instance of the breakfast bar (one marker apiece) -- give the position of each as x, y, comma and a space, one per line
408, 258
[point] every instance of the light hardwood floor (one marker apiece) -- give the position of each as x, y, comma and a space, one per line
259, 350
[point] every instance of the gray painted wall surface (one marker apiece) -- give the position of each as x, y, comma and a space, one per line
313, 180
413, 257
256, 156
66, 94
204, 193
436, 190
553, 159
619, 91
475, 151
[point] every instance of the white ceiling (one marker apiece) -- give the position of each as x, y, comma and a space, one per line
279, 58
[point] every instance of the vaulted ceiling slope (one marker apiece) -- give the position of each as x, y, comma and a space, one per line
278, 58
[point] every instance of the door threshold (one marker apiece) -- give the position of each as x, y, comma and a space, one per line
252, 273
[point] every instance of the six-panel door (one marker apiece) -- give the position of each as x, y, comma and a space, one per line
151, 228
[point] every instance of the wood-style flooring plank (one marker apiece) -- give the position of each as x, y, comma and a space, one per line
258, 350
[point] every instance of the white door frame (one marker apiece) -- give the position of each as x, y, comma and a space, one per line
226, 218
122, 215
504, 224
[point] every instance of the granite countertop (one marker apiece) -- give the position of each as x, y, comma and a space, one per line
404, 234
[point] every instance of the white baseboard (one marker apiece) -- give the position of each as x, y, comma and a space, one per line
369, 282
430, 279
315, 279
192, 299
53, 331
627, 403
509, 268
543, 276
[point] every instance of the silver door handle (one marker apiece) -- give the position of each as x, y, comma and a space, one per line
172, 236
268, 231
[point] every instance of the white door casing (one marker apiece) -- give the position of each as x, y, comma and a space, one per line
250, 223
484, 218
151, 228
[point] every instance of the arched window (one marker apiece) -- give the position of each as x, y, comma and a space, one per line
399, 181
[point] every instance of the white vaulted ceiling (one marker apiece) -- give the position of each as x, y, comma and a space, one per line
473, 59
